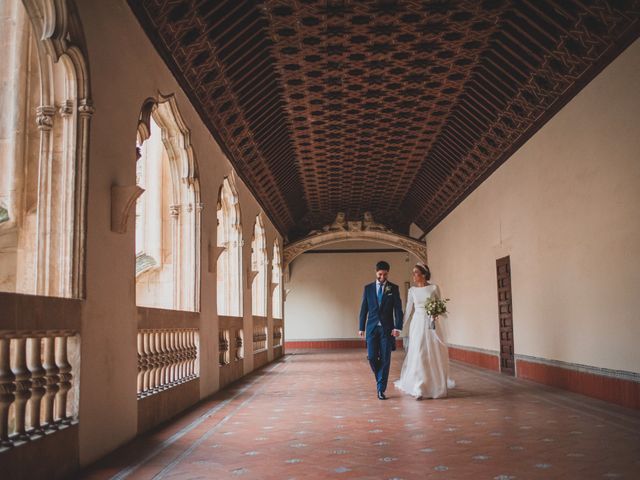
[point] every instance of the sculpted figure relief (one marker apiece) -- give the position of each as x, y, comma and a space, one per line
339, 224
370, 224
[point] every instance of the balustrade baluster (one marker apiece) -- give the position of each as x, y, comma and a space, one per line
146, 380
38, 382
184, 354
163, 359
194, 353
23, 387
52, 379
65, 379
140, 378
188, 364
169, 358
155, 361
179, 359
7, 389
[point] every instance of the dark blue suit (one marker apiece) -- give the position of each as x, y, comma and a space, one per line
379, 324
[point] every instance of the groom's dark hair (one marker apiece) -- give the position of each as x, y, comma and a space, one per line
382, 265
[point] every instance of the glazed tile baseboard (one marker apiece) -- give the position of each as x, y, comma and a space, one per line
476, 356
616, 386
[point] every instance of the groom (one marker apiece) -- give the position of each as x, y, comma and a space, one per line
380, 301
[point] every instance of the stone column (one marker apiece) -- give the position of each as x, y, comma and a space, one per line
174, 212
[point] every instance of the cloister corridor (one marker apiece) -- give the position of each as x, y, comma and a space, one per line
314, 414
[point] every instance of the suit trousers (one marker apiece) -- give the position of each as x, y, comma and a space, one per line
379, 346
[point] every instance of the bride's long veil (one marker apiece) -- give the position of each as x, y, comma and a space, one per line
442, 334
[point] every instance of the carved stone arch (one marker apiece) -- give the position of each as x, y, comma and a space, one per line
62, 118
293, 250
176, 137
144, 120
184, 203
230, 242
277, 281
257, 274
56, 23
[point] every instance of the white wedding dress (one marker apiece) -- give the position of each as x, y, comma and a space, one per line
425, 371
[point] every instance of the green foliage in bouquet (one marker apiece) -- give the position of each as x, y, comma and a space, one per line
436, 306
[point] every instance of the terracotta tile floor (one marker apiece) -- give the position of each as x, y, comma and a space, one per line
315, 415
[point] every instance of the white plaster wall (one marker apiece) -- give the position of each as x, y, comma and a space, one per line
566, 208
326, 289
125, 70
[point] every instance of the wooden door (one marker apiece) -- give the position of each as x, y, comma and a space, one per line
505, 315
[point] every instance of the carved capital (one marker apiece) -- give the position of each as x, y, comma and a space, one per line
85, 107
174, 210
44, 117
66, 108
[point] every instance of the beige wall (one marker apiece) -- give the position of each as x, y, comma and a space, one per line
326, 289
566, 208
125, 70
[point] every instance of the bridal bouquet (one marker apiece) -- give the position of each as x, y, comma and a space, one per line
436, 306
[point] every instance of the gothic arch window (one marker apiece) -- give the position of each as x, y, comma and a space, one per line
168, 212
229, 241
276, 281
259, 261
44, 126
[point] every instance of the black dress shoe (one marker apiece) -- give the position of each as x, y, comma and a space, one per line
381, 396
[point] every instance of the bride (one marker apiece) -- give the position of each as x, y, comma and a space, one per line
425, 371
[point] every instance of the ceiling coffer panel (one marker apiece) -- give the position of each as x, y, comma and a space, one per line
400, 108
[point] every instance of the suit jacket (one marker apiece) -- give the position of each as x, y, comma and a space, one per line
391, 306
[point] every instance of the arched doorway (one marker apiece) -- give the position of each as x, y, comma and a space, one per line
325, 277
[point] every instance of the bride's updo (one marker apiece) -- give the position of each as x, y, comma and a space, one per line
424, 270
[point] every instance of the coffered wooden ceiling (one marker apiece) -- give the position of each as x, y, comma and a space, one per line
399, 107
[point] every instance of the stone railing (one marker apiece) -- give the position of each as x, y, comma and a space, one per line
224, 347
277, 336
166, 358
239, 344
259, 338
168, 364
39, 354
35, 379
168, 349
231, 345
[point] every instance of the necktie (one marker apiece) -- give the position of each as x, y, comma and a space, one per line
380, 288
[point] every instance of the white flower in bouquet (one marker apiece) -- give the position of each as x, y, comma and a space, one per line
436, 306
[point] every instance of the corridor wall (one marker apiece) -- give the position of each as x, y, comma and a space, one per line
565, 208
126, 70
326, 290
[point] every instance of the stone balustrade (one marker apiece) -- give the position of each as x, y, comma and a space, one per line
277, 336
223, 347
35, 379
259, 338
231, 345
167, 357
239, 344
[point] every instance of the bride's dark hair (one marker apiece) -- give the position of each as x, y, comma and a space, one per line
424, 270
